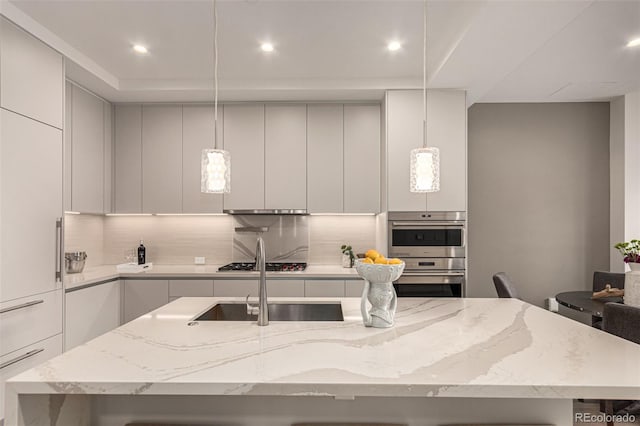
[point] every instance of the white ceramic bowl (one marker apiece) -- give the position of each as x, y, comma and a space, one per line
375, 273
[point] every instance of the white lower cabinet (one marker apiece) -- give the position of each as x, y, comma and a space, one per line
324, 288
353, 288
29, 319
16, 362
143, 296
91, 312
285, 288
192, 288
235, 288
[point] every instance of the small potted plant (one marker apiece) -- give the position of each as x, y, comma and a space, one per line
630, 253
347, 256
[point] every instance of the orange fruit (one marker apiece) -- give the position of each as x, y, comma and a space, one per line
367, 260
395, 261
372, 254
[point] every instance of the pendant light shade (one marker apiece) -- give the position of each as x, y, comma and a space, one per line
216, 171
425, 161
425, 170
215, 165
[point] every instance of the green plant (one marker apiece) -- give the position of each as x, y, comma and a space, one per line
346, 249
630, 251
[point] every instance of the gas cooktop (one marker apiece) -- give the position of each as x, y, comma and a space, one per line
270, 266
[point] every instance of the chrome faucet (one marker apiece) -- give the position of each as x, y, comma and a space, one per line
263, 308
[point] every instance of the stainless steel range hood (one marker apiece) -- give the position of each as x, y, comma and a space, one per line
267, 211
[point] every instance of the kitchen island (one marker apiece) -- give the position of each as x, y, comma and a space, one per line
445, 361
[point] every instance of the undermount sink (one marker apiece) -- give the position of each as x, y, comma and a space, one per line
277, 312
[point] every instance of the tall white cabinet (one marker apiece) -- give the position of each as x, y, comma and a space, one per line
31, 180
446, 129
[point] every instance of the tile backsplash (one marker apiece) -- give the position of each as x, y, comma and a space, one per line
178, 239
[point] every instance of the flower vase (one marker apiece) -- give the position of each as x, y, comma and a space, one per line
346, 261
632, 285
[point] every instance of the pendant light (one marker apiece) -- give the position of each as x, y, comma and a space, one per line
425, 161
215, 163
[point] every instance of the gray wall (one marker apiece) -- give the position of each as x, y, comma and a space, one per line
538, 196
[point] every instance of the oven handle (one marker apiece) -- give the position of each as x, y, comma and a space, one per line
427, 224
433, 274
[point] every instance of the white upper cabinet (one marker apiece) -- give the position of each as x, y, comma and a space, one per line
128, 159
361, 158
285, 157
197, 134
162, 159
404, 133
325, 158
446, 130
31, 200
244, 139
87, 148
31, 76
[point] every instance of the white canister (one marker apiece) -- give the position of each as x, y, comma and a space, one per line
632, 288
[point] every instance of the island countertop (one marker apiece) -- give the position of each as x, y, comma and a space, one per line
483, 348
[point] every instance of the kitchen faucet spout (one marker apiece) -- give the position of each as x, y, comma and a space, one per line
263, 310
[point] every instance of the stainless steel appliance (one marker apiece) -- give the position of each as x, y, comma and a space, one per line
270, 266
433, 246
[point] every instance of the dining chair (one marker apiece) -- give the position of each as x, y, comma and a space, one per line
600, 281
504, 286
622, 321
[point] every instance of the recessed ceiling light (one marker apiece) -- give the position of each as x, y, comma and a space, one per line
140, 48
267, 47
394, 45
633, 43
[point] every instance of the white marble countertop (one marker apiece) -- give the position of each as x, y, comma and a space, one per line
101, 273
486, 348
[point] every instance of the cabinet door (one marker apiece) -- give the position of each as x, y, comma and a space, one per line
325, 165
362, 158
244, 139
447, 129
193, 288
108, 158
87, 158
285, 288
286, 157
91, 312
68, 103
143, 296
235, 288
162, 159
30, 357
128, 159
31, 191
324, 288
31, 76
404, 133
198, 135
353, 288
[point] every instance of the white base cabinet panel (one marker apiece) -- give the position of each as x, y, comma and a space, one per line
90, 312
353, 288
324, 288
143, 296
235, 288
29, 319
190, 288
285, 288
23, 359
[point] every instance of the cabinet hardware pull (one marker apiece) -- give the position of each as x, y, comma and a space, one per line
427, 224
24, 305
59, 249
20, 358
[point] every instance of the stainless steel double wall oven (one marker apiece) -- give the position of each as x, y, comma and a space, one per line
433, 246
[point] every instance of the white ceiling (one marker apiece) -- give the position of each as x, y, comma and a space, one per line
500, 51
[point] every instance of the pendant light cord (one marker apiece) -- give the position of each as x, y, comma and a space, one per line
215, 74
424, 74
